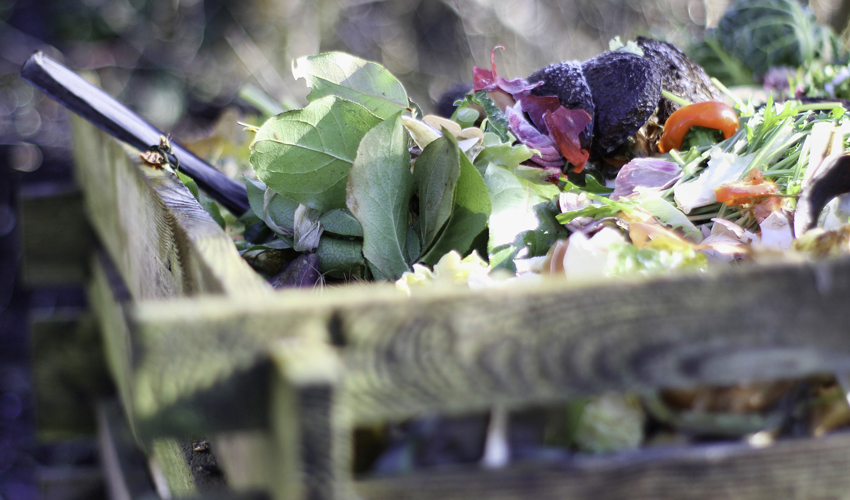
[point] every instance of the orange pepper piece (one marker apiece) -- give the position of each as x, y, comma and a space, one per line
708, 114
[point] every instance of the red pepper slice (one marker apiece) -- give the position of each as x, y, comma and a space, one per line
708, 114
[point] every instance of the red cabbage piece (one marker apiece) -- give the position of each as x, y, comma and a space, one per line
645, 173
556, 130
526, 133
490, 81
565, 126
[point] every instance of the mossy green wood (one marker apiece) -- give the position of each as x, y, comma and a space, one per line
458, 350
162, 241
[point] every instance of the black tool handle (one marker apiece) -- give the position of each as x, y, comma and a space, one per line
96, 106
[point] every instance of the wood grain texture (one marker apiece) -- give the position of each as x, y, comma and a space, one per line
460, 350
162, 241
810, 469
57, 239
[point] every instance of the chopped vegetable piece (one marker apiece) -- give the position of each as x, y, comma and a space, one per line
708, 114
745, 192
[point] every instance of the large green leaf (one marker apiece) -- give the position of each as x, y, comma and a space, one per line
519, 218
306, 154
379, 190
436, 173
355, 79
469, 214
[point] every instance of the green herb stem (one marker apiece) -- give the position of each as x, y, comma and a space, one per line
674, 98
737, 100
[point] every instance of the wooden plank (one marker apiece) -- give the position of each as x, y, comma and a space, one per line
310, 427
169, 459
812, 469
164, 244
458, 351
57, 239
69, 374
124, 465
109, 300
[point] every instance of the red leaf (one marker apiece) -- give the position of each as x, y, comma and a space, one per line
564, 126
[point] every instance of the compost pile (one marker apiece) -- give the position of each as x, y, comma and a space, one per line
635, 162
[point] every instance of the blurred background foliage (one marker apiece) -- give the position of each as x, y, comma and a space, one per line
180, 62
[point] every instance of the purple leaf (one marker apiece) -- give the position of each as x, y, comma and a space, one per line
645, 173
527, 134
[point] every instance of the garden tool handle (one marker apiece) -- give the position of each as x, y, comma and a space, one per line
96, 106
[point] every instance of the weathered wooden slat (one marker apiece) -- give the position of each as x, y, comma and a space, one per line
309, 424
457, 351
162, 241
57, 239
124, 465
791, 470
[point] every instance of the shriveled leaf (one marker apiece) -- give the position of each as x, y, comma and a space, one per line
341, 223
352, 78
436, 173
306, 154
469, 214
379, 190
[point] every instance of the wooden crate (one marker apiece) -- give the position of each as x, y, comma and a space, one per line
199, 344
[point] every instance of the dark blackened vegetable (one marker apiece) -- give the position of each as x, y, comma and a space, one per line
626, 89
566, 81
679, 75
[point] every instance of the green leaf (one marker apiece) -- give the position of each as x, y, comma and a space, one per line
341, 223
342, 259
519, 219
306, 154
592, 185
503, 154
469, 214
497, 122
275, 210
654, 204
352, 78
436, 173
379, 190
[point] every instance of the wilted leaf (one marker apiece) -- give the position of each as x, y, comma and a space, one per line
379, 190
306, 154
352, 78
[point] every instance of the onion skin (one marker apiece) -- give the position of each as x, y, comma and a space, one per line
709, 114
